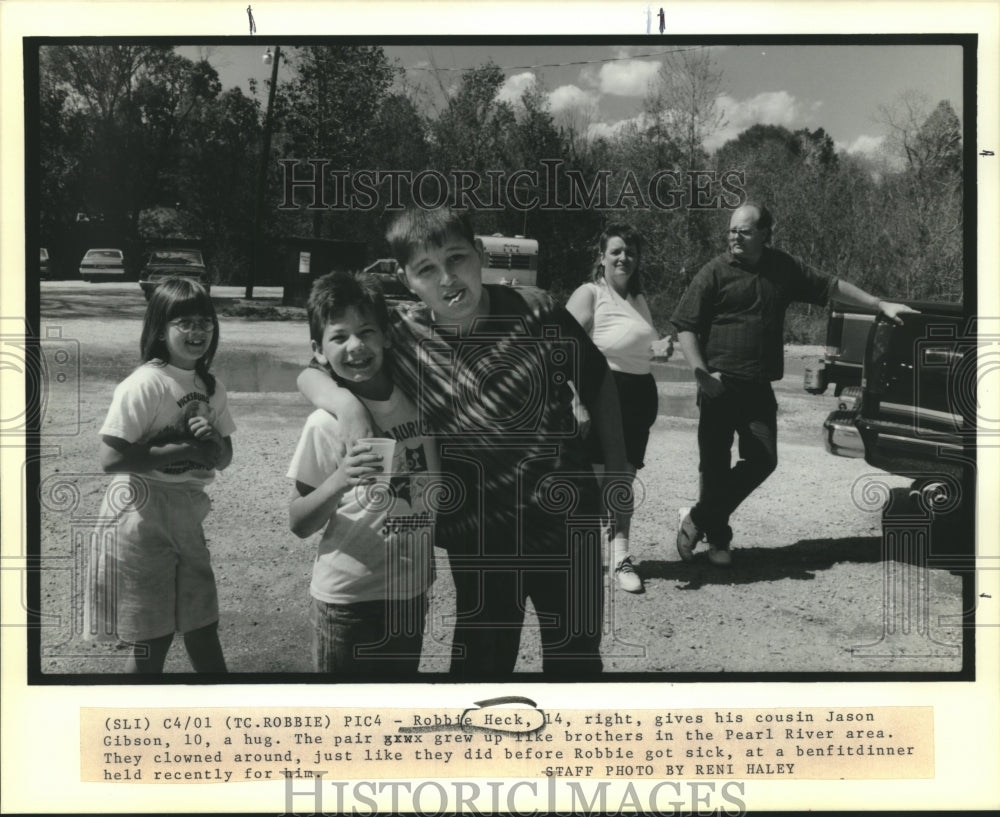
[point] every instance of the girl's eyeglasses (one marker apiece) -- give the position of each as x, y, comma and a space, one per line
187, 325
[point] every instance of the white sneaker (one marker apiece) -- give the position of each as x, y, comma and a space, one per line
628, 579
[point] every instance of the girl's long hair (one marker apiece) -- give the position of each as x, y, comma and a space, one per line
633, 239
178, 298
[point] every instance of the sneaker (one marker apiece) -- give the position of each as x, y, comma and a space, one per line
628, 579
688, 535
719, 555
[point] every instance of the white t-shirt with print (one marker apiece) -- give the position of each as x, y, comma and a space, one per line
379, 543
153, 405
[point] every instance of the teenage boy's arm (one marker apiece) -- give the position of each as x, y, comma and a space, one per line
323, 392
311, 508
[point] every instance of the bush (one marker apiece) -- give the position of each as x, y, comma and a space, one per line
805, 325
661, 307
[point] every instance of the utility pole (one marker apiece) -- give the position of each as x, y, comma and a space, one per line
265, 157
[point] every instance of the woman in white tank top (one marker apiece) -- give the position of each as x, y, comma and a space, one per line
613, 311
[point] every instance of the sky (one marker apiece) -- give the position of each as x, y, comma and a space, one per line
838, 88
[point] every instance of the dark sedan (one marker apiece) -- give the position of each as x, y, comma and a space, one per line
172, 263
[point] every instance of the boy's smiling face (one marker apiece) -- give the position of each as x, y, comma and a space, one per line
353, 345
449, 279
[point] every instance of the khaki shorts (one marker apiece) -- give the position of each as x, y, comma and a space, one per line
149, 573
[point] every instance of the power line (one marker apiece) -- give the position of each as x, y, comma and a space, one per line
565, 64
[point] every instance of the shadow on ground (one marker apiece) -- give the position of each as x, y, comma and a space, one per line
799, 561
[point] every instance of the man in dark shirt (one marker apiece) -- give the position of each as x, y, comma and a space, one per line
730, 325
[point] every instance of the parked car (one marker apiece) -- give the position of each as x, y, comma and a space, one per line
385, 271
102, 265
43, 262
172, 262
914, 414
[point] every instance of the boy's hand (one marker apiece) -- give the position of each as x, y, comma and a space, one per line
360, 465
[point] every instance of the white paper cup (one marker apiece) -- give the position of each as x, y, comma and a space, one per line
384, 447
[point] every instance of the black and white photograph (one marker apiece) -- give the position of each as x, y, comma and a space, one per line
608, 361
590, 287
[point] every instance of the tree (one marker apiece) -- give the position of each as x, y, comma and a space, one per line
333, 101
132, 101
215, 178
471, 132
681, 105
565, 250
937, 149
680, 112
924, 197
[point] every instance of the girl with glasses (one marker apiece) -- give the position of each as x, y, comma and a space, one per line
168, 430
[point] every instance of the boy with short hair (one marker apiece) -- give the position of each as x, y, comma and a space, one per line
374, 562
491, 370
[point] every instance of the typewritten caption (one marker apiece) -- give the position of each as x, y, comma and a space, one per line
220, 745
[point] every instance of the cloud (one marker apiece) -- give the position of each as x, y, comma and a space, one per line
515, 86
569, 97
627, 78
864, 145
609, 130
767, 108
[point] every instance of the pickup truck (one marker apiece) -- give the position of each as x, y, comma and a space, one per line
909, 408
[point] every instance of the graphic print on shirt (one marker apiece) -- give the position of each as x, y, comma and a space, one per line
193, 404
409, 481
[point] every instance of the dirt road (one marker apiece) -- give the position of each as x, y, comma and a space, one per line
805, 592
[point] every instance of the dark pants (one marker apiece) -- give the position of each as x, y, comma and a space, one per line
378, 639
567, 595
748, 410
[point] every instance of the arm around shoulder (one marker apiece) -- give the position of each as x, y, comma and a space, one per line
324, 393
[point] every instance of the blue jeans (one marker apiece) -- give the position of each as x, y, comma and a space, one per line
380, 639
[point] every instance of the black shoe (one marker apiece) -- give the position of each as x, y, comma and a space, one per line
719, 555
